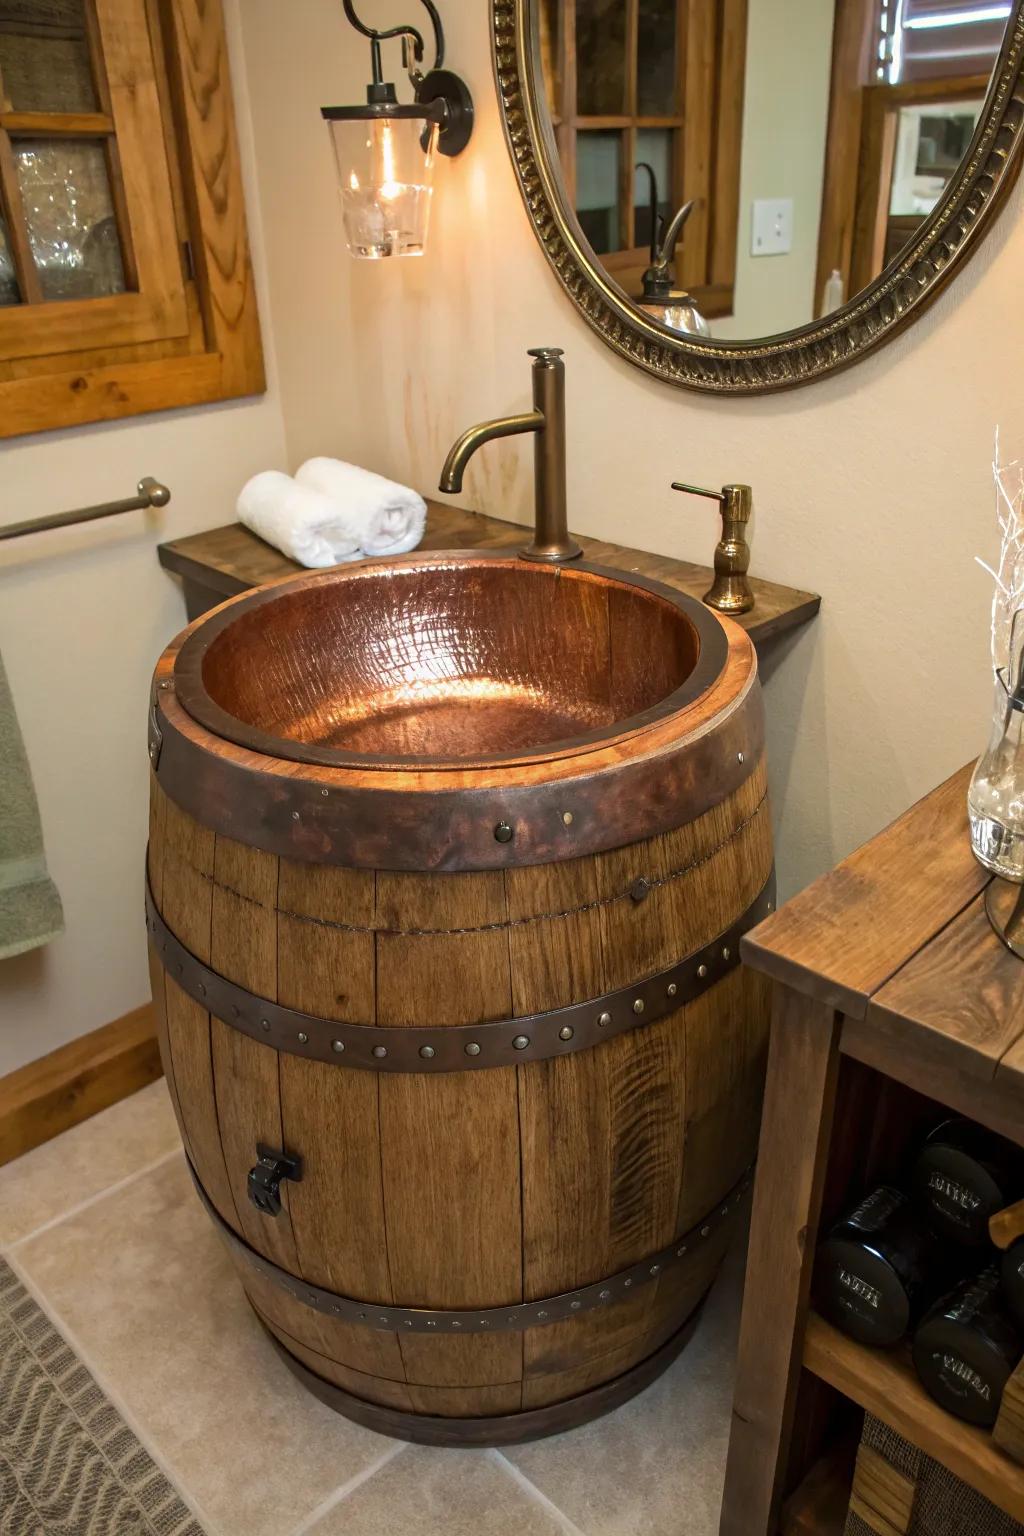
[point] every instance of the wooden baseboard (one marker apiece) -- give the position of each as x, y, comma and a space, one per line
78, 1080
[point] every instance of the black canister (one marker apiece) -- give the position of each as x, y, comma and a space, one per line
873, 1267
966, 1349
965, 1173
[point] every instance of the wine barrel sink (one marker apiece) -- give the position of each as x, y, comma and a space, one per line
449, 861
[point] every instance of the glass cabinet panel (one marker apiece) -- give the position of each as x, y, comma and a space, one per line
69, 215
657, 50
599, 187
44, 57
600, 58
9, 293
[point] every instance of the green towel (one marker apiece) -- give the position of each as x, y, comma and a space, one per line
30, 909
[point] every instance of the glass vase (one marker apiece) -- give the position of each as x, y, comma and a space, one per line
995, 800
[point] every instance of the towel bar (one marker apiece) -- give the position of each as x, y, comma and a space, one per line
150, 494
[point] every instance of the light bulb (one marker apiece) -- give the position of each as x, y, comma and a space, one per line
389, 187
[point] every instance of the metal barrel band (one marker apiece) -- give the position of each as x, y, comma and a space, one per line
463, 1047
511, 1319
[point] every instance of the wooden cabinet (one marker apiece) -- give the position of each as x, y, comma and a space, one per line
894, 1000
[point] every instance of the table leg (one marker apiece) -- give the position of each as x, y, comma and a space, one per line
803, 1070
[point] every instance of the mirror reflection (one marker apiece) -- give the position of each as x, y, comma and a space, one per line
743, 167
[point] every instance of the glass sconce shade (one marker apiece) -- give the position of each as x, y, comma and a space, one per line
385, 175
385, 149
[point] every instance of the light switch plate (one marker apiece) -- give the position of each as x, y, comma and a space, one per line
772, 226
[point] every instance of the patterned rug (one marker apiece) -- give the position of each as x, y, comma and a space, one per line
69, 1465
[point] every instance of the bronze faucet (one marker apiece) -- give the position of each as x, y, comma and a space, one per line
730, 592
551, 539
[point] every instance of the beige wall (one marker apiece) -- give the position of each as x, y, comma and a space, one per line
872, 487
83, 615
785, 121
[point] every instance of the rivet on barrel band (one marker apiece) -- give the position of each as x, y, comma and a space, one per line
533, 1037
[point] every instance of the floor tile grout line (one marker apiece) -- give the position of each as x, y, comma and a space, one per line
110, 1392
312, 1520
569, 1527
101, 1194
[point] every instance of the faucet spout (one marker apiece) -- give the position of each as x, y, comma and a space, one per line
551, 541
463, 449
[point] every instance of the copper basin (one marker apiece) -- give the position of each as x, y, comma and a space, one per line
447, 660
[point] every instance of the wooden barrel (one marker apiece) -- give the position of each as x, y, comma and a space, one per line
465, 1067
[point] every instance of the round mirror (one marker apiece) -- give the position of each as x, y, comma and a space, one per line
744, 195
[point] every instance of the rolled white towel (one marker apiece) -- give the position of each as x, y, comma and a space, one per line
299, 520
390, 518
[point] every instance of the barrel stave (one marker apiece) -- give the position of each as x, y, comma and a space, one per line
450, 1155
372, 1388
430, 972
727, 1052
180, 868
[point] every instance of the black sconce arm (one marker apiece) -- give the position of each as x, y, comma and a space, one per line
444, 97
409, 35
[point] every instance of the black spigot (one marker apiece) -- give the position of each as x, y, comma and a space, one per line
265, 1179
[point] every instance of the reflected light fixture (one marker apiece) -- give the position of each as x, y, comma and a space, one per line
385, 149
673, 306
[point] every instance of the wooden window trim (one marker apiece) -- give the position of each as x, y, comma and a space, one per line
219, 354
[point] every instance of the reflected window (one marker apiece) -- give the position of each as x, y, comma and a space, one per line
599, 188
657, 72
938, 39
600, 58
654, 149
931, 141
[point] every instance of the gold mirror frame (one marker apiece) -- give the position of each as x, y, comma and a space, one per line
897, 297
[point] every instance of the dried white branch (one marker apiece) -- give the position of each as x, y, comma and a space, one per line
1008, 574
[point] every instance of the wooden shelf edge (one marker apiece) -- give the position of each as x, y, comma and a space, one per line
231, 559
883, 1383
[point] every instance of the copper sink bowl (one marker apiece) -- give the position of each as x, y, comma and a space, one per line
447, 660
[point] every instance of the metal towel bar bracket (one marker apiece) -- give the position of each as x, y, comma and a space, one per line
150, 494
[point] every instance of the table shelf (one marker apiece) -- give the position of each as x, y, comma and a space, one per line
883, 1383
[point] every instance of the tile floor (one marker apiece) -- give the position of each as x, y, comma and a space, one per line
104, 1228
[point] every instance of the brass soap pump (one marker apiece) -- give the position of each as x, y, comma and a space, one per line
730, 592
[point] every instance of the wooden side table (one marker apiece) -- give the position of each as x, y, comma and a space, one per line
225, 561
894, 1000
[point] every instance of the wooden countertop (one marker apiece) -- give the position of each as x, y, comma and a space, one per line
896, 938
229, 560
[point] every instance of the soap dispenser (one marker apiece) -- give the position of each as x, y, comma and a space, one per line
730, 592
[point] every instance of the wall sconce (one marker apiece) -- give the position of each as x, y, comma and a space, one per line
672, 306
385, 149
